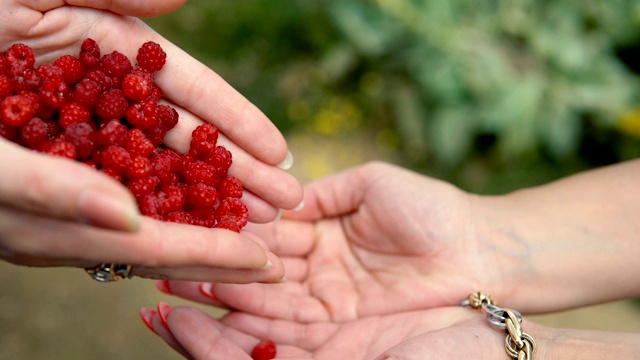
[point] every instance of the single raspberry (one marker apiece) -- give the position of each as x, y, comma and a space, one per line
63, 149
205, 217
115, 64
164, 168
155, 92
73, 113
143, 186
83, 137
230, 187
232, 211
116, 158
136, 86
55, 92
112, 133
150, 205
176, 198
220, 158
112, 104
143, 114
48, 72
138, 144
100, 78
204, 138
151, 56
156, 135
180, 217
140, 167
202, 196
264, 350
72, 68
86, 92
168, 117
53, 129
89, 53
25, 79
20, 54
6, 88
33, 132
200, 172
16, 110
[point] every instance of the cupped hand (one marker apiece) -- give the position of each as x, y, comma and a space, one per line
56, 212
442, 333
373, 240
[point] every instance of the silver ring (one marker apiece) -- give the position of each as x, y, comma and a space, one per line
109, 272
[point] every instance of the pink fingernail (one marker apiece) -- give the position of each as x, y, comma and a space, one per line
164, 310
164, 286
207, 290
147, 317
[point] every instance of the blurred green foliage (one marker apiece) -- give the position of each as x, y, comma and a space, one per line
490, 95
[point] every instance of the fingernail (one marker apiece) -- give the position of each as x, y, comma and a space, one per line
147, 318
287, 163
206, 289
164, 310
299, 206
164, 286
283, 280
104, 210
267, 266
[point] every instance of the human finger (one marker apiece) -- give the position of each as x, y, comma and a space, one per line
157, 244
152, 318
138, 8
287, 238
64, 189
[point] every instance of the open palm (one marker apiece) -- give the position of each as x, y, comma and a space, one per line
373, 240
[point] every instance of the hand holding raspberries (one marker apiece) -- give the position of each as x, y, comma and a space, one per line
96, 100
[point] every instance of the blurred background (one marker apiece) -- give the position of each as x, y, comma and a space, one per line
489, 95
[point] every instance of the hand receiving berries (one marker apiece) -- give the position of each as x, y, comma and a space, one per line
104, 112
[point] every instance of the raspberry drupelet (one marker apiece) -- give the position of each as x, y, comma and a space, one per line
102, 111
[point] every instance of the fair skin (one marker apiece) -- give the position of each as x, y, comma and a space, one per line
56, 212
378, 243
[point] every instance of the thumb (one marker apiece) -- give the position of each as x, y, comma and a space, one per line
64, 189
144, 8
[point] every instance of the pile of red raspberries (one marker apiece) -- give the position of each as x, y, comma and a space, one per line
103, 111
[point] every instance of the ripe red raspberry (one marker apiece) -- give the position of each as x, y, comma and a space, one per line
202, 196
205, 217
55, 92
89, 53
63, 149
20, 54
83, 137
203, 139
16, 110
6, 88
151, 56
73, 113
136, 86
33, 132
100, 78
230, 187
140, 167
111, 173
168, 117
48, 71
72, 68
232, 211
115, 64
25, 79
155, 92
116, 158
143, 114
112, 133
112, 104
86, 92
150, 205
138, 144
264, 350
156, 135
221, 159
176, 198
199, 172
143, 186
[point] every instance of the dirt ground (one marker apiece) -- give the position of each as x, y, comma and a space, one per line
55, 314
